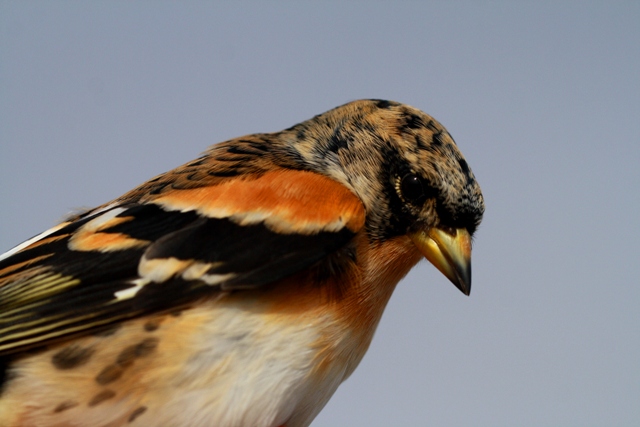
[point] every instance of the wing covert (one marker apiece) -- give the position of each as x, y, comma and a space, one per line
171, 248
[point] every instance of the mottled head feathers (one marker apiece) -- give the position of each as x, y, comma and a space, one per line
370, 146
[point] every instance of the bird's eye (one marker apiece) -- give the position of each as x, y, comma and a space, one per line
411, 188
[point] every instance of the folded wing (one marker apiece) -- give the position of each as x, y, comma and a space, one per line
164, 249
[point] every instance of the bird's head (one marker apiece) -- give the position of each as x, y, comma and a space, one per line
408, 172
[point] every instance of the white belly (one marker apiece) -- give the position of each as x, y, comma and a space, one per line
220, 364
251, 370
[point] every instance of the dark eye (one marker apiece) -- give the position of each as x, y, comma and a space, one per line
411, 188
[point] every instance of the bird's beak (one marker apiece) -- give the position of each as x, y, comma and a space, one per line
449, 251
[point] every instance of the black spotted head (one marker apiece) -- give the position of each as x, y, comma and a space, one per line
408, 172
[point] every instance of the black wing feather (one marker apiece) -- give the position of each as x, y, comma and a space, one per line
50, 291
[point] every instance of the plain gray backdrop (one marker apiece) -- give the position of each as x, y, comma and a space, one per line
543, 98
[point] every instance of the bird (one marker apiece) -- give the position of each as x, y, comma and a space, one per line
241, 288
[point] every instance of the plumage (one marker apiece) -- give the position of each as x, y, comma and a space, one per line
237, 290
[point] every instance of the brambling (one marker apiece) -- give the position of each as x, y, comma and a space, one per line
237, 290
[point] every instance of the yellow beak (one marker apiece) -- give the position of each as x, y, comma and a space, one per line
449, 251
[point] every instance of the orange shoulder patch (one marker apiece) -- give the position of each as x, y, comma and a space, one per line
90, 237
285, 201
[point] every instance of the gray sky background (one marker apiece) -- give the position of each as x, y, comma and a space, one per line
542, 98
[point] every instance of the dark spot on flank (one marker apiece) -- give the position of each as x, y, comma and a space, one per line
153, 324
71, 357
135, 414
110, 374
67, 404
129, 354
146, 347
101, 397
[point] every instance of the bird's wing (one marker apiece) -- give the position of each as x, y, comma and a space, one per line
163, 249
